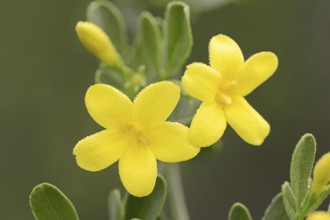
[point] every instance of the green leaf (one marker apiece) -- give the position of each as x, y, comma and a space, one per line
178, 37
239, 212
276, 211
289, 201
106, 15
49, 203
301, 166
115, 204
148, 47
149, 207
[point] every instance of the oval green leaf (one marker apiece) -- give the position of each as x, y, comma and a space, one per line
276, 211
301, 166
147, 48
239, 212
289, 201
49, 203
178, 37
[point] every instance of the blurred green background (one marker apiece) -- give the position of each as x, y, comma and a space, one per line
44, 73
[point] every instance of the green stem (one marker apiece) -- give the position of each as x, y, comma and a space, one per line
176, 199
305, 207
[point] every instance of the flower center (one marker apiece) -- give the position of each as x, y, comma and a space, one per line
223, 96
137, 132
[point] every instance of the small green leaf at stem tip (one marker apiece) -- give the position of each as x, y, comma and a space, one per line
289, 201
49, 203
276, 211
177, 36
115, 204
149, 207
147, 49
301, 167
107, 16
239, 212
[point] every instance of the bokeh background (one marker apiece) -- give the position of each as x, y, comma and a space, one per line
44, 73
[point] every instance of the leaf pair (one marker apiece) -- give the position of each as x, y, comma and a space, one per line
287, 204
297, 198
295, 192
163, 46
295, 201
49, 203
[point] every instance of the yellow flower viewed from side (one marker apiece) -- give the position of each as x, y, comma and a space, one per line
221, 87
321, 174
319, 215
97, 42
136, 134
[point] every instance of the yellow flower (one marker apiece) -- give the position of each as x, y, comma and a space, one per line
318, 215
221, 87
136, 134
98, 43
321, 174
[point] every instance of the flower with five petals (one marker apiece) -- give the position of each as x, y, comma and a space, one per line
136, 134
221, 87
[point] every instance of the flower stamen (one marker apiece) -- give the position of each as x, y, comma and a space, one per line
137, 132
227, 86
223, 96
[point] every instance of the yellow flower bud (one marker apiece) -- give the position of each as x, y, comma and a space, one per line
321, 173
319, 215
96, 41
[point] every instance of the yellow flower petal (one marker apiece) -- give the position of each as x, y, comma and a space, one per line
170, 143
201, 81
225, 55
108, 106
138, 170
100, 150
208, 125
246, 121
321, 173
98, 43
155, 103
318, 215
256, 70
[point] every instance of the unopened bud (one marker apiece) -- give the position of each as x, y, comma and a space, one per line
321, 173
96, 41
